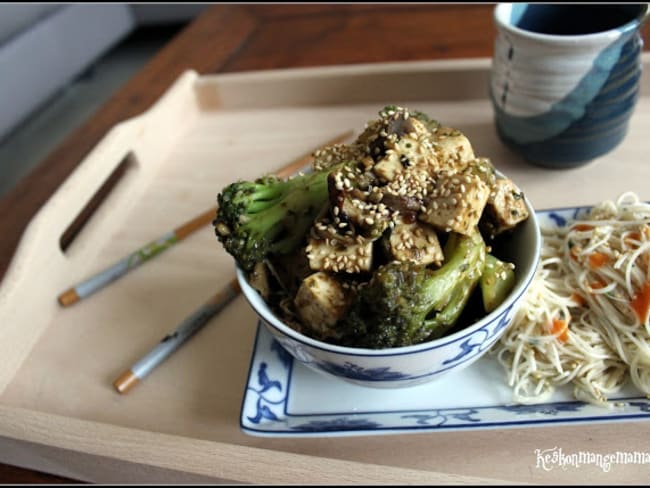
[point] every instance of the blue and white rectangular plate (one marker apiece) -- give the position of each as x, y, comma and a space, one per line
283, 398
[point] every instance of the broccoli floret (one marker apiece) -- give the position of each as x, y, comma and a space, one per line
268, 216
406, 303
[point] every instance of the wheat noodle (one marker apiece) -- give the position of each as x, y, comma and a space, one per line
591, 273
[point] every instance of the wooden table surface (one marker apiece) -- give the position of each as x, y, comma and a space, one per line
240, 37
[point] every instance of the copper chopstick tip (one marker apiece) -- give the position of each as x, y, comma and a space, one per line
125, 381
69, 297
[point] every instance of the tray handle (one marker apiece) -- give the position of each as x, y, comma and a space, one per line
40, 268
122, 160
106, 168
39, 253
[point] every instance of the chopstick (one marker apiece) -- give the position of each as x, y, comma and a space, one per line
135, 259
194, 322
172, 341
98, 281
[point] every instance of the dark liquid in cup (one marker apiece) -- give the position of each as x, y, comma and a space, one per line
571, 20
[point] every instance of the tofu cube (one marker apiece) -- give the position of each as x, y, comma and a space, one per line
505, 207
321, 301
452, 147
409, 146
415, 242
456, 202
389, 166
349, 256
365, 217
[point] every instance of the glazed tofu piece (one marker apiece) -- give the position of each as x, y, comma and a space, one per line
350, 209
505, 207
335, 154
452, 147
415, 242
321, 301
350, 256
368, 219
483, 168
456, 202
406, 142
412, 148
402, 126
389, 167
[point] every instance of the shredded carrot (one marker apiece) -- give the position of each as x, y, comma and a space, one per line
598, 259
641, 303
578, 299
582, 227
630, 239
560, 329
597, 285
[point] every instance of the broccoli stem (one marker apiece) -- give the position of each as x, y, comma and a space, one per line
460, 276
295, 214
464, 255
448, 316
496, 282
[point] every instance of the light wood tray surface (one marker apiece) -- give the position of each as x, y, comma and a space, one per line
56, 396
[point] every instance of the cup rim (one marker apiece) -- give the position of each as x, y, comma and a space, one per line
500, 10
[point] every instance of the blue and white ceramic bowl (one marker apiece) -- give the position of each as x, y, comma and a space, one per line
411, 365
565, 78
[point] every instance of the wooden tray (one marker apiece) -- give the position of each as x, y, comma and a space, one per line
58, 410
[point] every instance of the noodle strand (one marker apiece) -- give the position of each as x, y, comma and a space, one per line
590, 273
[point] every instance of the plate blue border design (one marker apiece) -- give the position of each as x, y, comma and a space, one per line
265, 407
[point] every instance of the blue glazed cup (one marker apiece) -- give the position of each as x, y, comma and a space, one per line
565, 78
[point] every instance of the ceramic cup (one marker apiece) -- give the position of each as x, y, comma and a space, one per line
565, 78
